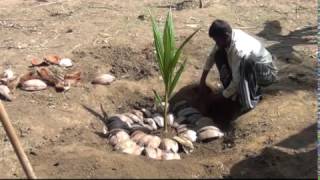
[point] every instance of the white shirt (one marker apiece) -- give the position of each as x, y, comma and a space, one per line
242, 46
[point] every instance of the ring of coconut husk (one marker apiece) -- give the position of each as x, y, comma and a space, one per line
125, 145
208, 127
132, 149
187, 112
141, 133
138, 113
111, 132
116, 137
186, 144
137, 150
180, 105
159, 120
137, 135
148, 127
170, 118
193, 118
154, 142
170, 156
123, 118
184, 126
179, 120
203, 122
138, 127
168, 144
175, 124
190, 121
144, 140
146, 112
133, 117
209, 133
182, 130
150, 122
115, 122
153, 153
189, 134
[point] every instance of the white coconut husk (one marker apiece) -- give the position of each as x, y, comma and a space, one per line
169, 145
186, 144
5, 92
33, 85
103, 79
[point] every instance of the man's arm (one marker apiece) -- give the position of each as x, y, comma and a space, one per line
208, 65
204, 77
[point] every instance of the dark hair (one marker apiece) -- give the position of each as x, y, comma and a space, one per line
219, 28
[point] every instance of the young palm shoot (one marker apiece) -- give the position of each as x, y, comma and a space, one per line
167, 57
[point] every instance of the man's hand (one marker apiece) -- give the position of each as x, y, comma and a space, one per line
202, 97
203, 90
216, 97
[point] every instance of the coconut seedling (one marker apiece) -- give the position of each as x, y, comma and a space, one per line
167, 58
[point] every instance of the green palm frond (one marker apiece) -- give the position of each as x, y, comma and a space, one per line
167, 57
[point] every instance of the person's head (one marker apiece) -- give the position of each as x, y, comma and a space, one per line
220, 31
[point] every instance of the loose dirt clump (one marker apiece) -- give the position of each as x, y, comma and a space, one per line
123, 62
188, 4
136, 101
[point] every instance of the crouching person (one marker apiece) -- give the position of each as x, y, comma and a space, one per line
244, 66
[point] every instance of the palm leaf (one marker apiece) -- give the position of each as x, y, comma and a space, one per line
173, 82
167, 59
158, 44
176, 77
178, 52
169, 45
157, 97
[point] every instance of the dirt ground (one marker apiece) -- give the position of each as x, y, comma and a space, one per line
61, 131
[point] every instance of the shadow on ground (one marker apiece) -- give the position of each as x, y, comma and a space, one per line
291, 158
222, 116
284, 46
296, 69
102, 117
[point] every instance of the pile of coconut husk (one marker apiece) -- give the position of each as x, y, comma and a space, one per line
52, 71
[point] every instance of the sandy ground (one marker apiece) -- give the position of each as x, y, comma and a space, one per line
60, 131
